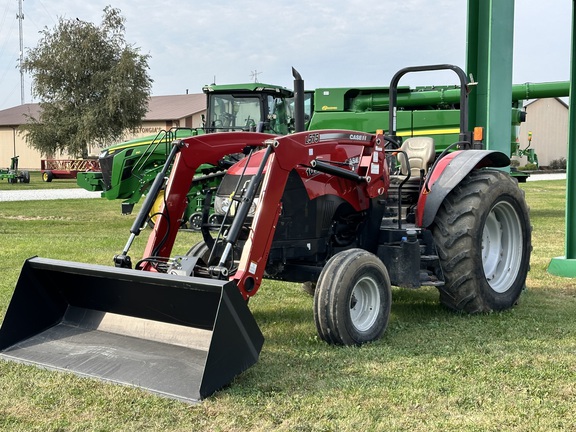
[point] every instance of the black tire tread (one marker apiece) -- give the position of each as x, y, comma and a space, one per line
458, 242
330, 322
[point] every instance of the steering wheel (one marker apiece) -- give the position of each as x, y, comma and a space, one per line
391, 143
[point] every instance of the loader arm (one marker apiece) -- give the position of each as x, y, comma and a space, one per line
194, 151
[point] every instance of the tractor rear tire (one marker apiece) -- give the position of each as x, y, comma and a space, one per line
352, 298
483, 237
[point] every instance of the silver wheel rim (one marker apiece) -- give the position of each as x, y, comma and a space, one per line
364, 303
502, 247
196, 221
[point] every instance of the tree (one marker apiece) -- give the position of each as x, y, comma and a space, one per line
91, 84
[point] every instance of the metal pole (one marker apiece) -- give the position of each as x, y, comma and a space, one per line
14, 138
20, 18
571, 155
489, 60
566, 265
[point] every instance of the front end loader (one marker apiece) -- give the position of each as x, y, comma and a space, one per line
350, 213
176, 335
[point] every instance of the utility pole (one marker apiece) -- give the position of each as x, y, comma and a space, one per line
20, 18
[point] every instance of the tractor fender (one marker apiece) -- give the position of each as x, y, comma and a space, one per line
448, 173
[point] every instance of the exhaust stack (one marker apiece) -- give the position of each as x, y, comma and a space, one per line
298, 101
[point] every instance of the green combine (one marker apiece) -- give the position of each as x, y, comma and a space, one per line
422, 111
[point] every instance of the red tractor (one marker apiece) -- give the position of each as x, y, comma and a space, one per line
349, 212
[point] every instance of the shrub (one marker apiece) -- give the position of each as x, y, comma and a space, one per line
529, 167
558, 163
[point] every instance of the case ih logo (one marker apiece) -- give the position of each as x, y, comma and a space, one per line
359, 137
314, 138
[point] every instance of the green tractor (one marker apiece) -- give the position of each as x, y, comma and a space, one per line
129, 168
13, 174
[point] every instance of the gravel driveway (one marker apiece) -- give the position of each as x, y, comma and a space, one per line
45, 194
551, 176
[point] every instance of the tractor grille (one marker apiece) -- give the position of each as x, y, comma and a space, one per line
106, 168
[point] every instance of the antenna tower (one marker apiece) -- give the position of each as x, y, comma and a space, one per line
254, 75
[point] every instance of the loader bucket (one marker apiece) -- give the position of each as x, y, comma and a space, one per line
180, 337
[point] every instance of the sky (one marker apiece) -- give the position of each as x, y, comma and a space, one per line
336, 43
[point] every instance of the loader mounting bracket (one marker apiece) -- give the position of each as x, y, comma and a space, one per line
122, 261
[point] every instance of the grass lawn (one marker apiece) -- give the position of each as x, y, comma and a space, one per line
433, 370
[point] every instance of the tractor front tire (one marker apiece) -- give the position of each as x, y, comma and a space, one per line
155, 210
200, 250
483, 237
352, 298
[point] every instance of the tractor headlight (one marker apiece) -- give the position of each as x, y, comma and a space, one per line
222, 205
253, 207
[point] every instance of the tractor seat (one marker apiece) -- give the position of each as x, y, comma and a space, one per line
420, 151
421, 154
